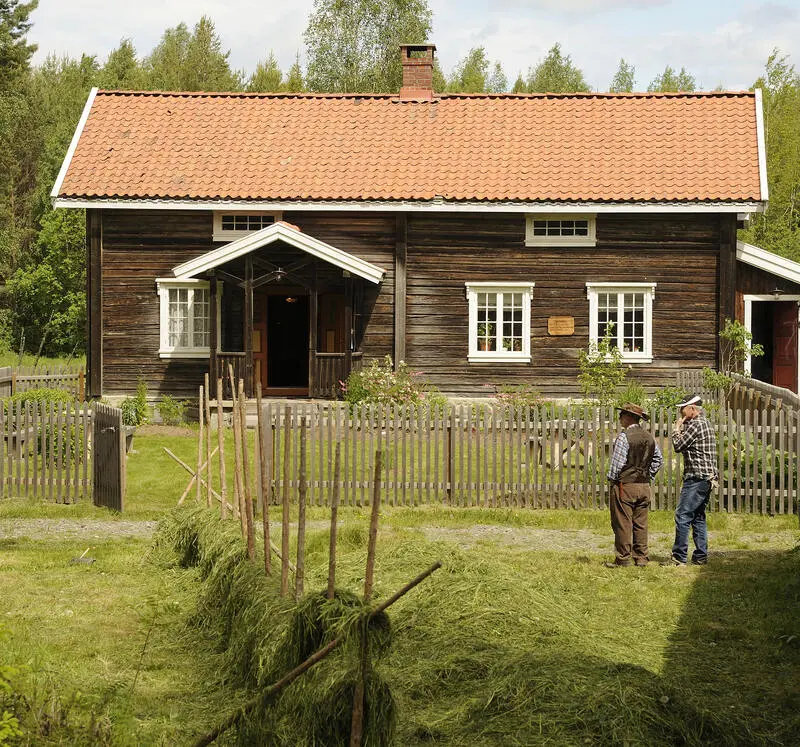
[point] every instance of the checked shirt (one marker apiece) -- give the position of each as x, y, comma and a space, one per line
696, 441
619, 456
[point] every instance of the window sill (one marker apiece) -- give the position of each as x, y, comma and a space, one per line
552, 242
184, 353
499, 358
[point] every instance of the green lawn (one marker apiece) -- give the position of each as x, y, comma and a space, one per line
514, 641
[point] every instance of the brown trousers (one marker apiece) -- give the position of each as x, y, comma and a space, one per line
629, 504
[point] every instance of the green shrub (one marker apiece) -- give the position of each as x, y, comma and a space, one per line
520, 395
602, 371
380, 384
42, 394
633, 392
667, 397
172, 410
134, 409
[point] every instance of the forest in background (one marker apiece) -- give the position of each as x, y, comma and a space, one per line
349, 47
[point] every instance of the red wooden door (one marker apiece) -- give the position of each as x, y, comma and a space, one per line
784, 330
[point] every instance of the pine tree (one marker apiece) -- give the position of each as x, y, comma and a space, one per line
624, 79
519, 85
294, 78
268, 75
15, 52
122, 70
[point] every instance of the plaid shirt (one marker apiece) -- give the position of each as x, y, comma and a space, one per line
620, 455
696, 441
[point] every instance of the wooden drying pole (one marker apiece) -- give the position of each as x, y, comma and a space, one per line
299, 576
208, 439
357, 722
265, 466
337, 469
237, 465
200, 411
193, 474
223, 478
248, 496
262, 700
287, 431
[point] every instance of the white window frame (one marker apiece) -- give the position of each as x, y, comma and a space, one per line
165, 350
219, 234
499, 356
531, 240
649, 290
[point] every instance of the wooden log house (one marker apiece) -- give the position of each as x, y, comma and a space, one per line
483, 239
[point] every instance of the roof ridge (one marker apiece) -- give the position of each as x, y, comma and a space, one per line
437, 96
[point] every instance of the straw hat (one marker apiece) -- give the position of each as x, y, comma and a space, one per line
632, 409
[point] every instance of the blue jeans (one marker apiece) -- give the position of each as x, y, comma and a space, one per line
691, 512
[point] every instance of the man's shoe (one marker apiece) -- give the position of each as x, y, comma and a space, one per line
616, 565
704, 561
641, 563
673, 561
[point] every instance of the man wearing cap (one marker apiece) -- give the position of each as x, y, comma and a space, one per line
635, 461
693, 436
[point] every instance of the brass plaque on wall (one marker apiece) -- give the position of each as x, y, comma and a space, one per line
561, 325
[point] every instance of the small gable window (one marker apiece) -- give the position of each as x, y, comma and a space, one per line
626, 312
560, 230
185, 318
499, 322
229, 226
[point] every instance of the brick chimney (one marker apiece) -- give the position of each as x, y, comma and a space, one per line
417, 60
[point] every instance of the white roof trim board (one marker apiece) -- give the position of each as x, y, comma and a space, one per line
420, 206
279, 232
74, 144
762, 146
767, 261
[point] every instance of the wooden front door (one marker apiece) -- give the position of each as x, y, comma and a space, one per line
784, 326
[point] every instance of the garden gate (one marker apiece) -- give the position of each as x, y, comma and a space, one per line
108, 443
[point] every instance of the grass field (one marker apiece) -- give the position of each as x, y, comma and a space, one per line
522, 638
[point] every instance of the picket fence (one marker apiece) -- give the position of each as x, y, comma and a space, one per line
545, 457
62, 452
70, 379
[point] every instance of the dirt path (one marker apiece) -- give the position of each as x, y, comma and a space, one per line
44, 529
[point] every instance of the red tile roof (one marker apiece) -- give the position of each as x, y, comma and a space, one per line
593, 147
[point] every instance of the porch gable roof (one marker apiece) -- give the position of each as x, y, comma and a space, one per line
289, 234
768, 261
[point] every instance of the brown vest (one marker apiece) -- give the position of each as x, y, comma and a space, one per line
641, 447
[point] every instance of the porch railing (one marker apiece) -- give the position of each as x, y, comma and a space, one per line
331, 368
237, 360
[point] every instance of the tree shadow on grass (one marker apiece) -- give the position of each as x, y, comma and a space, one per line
736, 649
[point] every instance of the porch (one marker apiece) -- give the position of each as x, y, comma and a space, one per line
286, 310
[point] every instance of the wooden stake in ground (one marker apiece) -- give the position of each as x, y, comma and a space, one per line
299, 577
265, 466
337, 473
248, 496
208, 441
223, 478
357, 722
287, 435
236, 481
237, 475
263, 699
200, 412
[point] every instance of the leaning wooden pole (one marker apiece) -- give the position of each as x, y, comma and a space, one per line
265, 466
248, 495
200, 439
234, 419
223, 478
287, 437
238, 499
357, 721
209, 470
299, 576
263, 699
337, 474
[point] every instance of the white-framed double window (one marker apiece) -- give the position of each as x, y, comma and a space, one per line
560, 230
185, 318
499, 322
627, 310
229, 226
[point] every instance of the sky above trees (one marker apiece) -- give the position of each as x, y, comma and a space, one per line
721, 42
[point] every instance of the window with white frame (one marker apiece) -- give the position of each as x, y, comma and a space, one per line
627, 311
499, 321
185, 318
560, 230
229, 226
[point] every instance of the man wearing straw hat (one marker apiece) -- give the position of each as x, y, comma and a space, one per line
635, 461
693, 436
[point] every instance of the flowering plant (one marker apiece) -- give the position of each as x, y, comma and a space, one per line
380, 383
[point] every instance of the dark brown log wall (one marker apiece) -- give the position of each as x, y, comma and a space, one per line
679, 253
